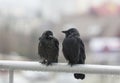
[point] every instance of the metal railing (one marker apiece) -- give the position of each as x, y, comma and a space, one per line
59, 67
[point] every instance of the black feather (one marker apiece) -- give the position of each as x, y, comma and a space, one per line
74, 50
48, 48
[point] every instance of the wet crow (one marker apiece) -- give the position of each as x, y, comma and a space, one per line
74, 50
48, 48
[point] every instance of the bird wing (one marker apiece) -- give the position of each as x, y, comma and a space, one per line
39, 49
56, 43
83, 49
82, 52
71, 49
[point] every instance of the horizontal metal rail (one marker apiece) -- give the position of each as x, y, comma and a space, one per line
58, 67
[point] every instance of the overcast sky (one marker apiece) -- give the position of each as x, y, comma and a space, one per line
19, 3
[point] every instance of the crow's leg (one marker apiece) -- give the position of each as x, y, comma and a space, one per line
49, 63
71, 64
43, 62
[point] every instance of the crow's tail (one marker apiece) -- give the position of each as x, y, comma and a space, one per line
79, 76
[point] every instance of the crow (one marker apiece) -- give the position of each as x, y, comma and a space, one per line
74, 50
48, 48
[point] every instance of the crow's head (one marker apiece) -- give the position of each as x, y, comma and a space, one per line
72, 32
47, 34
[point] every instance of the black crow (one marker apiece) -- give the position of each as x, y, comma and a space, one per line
74, 50
48, 48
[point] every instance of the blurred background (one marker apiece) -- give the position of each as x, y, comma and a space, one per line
23, 21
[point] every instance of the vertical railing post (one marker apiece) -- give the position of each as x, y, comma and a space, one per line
11, 76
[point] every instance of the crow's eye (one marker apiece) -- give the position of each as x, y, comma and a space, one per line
71, 32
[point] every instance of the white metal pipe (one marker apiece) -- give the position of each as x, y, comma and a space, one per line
60, 67
11, 76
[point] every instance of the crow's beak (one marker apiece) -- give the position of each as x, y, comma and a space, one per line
64, 31
50, 36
